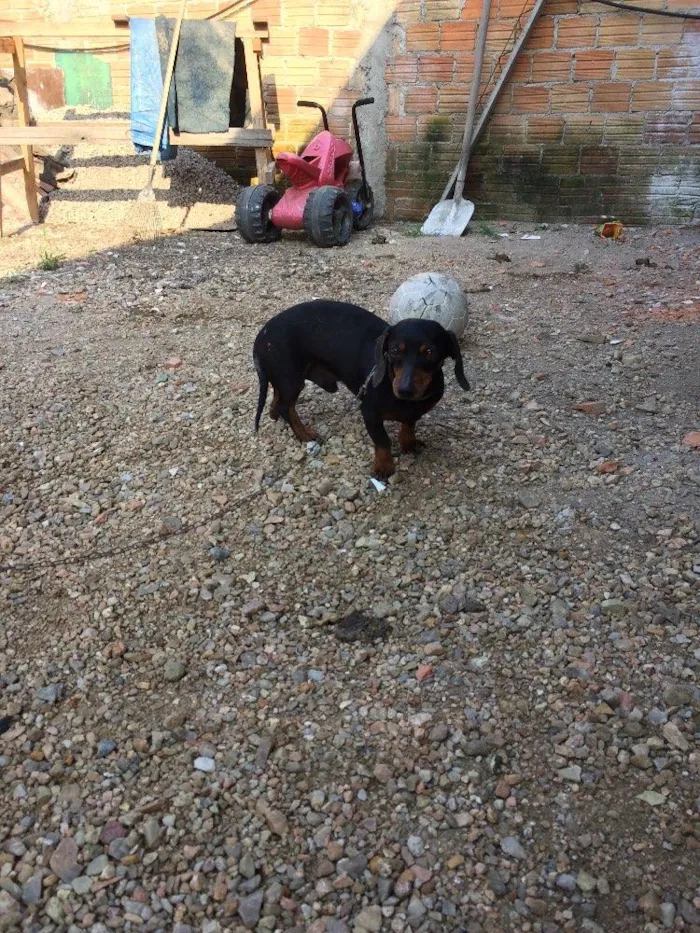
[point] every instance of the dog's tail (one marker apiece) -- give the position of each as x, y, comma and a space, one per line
264, 385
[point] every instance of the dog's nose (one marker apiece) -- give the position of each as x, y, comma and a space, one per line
404, 392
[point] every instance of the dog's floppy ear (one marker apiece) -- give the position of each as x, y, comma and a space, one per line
380, 358
456, 354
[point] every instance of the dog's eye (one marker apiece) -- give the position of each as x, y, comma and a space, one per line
428, 354
394, 353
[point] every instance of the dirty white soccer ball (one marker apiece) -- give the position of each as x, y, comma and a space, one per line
433, 296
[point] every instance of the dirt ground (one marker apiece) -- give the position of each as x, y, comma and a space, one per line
511, 743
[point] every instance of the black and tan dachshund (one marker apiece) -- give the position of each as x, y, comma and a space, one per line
396, 372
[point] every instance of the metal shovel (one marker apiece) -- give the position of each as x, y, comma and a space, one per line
451, 216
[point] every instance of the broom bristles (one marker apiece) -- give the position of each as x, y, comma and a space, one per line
144, 216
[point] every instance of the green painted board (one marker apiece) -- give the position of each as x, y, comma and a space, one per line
88, 80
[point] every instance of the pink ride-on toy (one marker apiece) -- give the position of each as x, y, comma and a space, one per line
320, 199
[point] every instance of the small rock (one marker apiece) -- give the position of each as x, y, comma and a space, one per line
652, 798
369, 920
415, 846
586, 882
82, 885
613, 607
50, 693
31, 890
64, 860
675, 737
174, 670
692, 440
439, 733
249, 908
511, 846
97, 865
572, 773
592, 408
648, 405
277, 822
105, 747
204, 764
566, 882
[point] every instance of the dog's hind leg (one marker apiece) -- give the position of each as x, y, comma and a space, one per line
287, 392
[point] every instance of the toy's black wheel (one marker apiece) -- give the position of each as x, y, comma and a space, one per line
366, 200
253, 214
328, 216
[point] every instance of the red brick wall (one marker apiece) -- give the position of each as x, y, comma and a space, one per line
601, 114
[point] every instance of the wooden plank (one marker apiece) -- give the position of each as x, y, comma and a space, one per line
18, 60
99, 29
498, 87
263, 156
240, 137
109, 132
12, 165
95, 132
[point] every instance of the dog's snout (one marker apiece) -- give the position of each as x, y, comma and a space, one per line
404, 384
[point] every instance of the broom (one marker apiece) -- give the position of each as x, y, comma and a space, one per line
144, 216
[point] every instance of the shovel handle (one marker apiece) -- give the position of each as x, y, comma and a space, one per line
473, 98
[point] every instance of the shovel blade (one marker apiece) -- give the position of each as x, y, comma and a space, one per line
448, 218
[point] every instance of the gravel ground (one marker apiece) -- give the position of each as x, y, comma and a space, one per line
248, 691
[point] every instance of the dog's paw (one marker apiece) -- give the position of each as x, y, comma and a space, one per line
414, 447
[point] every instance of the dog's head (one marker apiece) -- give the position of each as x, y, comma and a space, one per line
412, 352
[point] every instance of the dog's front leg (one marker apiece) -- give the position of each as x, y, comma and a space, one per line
383, 466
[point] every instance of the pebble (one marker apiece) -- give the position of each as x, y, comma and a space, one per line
415, 846
64, 860
249, 909
512, 847
174, 670
202, 763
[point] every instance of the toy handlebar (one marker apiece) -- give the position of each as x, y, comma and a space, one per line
312, 103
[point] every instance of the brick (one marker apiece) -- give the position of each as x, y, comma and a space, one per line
464, 66
500, 35
409, 11
507, 128
423, 37
658, 31
268, 11
593, 66
301, 12
348, 43
651, 95
562, 7
435, 67
559, 160
401, 129
337, 73
421, 100
612, 97
314, 41
570, 98
623, 129
576, 32
634, 64
401, 69
439, 10
551, 66
686, 95
434, 128
531, 98
583, 129
284, 40
680, 62
453, 98
511, 8
619, 29
545, 129
671, 128
458, 36
542, 35
598, 160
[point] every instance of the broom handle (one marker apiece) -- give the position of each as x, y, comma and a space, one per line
166, 85
473, 98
